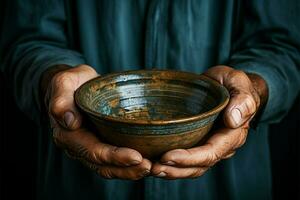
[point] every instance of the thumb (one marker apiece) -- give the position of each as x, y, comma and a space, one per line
63, 85
241, 107
244, 100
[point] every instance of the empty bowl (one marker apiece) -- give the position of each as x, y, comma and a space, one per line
152, 111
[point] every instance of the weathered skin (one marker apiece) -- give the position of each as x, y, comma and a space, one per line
248, 94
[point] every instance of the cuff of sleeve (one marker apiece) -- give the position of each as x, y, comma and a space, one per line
269, 113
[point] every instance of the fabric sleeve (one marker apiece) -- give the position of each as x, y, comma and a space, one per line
267, 43
33, 39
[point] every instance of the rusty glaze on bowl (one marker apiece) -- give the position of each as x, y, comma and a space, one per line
152, 111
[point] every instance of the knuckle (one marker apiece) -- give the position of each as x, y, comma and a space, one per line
256, 98
250, 103
71, 155
83, 152
89, 69
198, 172
107, 154
97, 154
213, 158
93, 156
242, 137
237, 75
105, 173
62, 78
57, 137
57, 105
224, 68
103, 155
91, 166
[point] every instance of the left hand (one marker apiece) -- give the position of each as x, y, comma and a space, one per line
248, 92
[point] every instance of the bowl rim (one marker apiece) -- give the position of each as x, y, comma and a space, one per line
224, 101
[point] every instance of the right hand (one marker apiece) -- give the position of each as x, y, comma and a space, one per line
77, 141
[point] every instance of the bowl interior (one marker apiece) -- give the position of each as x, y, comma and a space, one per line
150, 95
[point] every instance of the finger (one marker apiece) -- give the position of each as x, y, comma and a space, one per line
222, 143
244, 100
130, 173
202, 156
71, 154
170, 172
84, 144
63, 86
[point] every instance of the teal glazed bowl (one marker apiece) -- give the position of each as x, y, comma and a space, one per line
152, 111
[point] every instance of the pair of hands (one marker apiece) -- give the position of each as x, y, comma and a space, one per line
248, 93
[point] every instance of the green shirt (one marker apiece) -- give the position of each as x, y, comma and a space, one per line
258, 36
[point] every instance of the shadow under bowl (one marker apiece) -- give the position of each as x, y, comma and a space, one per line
152, 111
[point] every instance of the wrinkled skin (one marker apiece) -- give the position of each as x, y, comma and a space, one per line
245, 101
248, 93
78, 142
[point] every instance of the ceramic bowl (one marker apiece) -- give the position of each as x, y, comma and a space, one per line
152, 111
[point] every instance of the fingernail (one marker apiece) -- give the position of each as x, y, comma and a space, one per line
69, 118
236, 116
161, 174
169, 163
135, 162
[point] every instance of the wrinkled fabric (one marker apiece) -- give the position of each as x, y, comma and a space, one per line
258, 36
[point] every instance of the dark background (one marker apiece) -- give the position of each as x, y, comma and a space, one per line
18, 148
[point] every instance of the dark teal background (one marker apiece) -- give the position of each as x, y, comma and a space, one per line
18, 148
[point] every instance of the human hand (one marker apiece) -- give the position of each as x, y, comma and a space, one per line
248, 93
77, 141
